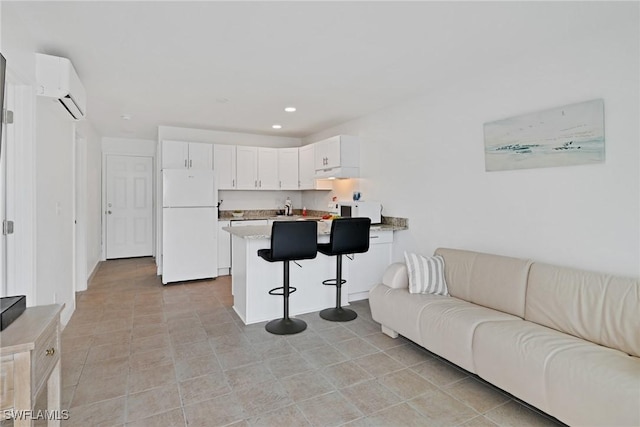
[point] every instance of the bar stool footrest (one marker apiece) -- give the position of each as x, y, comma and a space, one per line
338, 314
286, 326
275, 291
333, 282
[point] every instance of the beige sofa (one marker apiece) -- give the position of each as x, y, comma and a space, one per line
563, 340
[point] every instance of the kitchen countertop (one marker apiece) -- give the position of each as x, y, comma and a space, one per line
272, 218
324, 229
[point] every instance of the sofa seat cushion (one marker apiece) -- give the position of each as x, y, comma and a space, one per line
447, 326
399, 310
513, 356
593, 385
579, 382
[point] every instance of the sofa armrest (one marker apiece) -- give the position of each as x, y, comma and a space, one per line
396, 276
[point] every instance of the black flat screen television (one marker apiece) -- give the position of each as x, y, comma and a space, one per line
3, 68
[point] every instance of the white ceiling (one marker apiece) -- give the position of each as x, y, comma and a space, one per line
175, 63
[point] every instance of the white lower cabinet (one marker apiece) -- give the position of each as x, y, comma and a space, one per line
224, 249
365, 270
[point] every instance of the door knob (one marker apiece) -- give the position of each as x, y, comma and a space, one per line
109, 212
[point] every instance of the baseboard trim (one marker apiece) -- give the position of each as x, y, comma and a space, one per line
93, 272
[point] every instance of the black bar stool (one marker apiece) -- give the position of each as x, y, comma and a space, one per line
290, 241
348, 236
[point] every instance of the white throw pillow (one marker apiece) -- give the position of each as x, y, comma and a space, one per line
426, 274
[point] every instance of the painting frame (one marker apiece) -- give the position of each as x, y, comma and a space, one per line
568, 135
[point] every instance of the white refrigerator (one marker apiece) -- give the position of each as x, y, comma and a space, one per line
189, 225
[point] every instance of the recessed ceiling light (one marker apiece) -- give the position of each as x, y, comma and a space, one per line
277, 126
126, 117
290, 109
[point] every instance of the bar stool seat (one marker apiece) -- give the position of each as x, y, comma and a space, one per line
290, 241
348, 236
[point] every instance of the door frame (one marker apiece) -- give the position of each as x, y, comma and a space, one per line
80, 270
105, 154
19, 151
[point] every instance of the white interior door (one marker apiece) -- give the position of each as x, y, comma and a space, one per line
129, 210
3, 210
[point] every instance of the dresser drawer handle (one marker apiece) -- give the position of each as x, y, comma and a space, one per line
50, 351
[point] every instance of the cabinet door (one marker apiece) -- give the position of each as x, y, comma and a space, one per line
332, 150
175, 155
306, 169
224, 246
246, 168
268, 169
366, 269
321, 151
224, 165
200, 156
288, 168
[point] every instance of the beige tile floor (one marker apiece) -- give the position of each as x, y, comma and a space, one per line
137, 353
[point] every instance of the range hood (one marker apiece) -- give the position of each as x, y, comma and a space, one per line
338, 173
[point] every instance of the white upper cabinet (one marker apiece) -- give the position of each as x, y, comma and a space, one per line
256, 168
306, 169
224, 165
268, 169
337, 157
246, 168
175, 155
307, 172
288, 168
200, 156
239, 167
187, 155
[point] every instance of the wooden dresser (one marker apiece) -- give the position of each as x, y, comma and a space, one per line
29, 359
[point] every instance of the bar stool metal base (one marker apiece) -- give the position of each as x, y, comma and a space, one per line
338, 314
286, 326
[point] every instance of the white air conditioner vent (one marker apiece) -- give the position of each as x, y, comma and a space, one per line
58, 79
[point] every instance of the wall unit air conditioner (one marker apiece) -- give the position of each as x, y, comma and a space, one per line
57, 78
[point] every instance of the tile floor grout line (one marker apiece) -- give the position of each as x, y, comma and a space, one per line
137, 279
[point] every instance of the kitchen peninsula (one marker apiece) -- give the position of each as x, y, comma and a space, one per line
252, 277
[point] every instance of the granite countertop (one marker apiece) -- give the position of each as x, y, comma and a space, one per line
324, 229
271, 217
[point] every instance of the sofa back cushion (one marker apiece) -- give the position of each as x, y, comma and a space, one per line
597, 307
492, 281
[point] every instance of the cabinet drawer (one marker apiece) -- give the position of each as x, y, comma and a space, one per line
6, 382
45, 355
376, 237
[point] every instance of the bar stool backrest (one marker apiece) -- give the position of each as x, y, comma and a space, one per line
349, 235
294, 240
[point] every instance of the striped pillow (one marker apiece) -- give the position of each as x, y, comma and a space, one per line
426, 274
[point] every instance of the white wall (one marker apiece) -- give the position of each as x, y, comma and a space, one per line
93, 197
424, 159
222, 137
129, 146
54, 206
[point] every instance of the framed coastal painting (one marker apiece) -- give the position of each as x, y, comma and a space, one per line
562, 136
